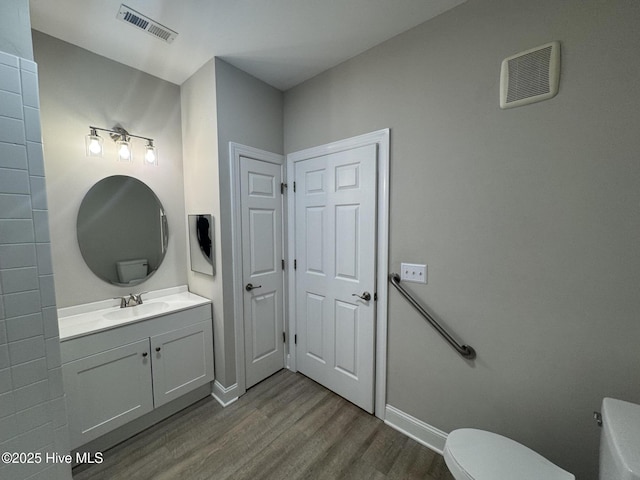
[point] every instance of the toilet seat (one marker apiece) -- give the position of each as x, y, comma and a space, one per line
474, 454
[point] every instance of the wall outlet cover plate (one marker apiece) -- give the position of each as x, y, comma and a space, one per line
413, 272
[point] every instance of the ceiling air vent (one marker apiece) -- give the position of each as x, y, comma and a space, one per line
530, 76
129, 15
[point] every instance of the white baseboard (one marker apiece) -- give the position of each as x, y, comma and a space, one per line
225, 395
421, 432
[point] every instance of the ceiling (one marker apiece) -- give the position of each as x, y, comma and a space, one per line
282, 42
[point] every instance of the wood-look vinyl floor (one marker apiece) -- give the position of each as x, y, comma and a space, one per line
286, 427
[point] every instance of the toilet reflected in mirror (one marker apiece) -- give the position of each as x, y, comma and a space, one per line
201, 244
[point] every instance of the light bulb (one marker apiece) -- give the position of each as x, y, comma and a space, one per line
94, 146
124, 152
93, 143
150, 154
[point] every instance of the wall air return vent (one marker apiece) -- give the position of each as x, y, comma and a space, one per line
129, 15
530, 76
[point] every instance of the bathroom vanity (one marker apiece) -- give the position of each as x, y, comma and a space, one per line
126, 368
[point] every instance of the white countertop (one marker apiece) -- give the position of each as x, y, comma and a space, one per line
95, 317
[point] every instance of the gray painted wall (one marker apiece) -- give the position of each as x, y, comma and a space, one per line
221, 104
199, 131
528, 218
250, 112
78, 89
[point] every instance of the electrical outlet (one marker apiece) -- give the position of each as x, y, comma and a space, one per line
412, 272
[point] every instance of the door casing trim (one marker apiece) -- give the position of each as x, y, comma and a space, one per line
237, 150
381, 139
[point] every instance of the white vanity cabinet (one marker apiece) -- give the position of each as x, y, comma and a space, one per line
107, 390
182, 360
115, 376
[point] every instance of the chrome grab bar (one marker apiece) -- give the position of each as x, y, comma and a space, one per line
465, 350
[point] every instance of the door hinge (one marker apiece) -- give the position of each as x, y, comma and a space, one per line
283, 263
295, 339
284, 337
375, 296
283, 186
294, 186
295, 264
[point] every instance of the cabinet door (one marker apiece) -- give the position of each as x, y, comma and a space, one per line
107, 390
182, 361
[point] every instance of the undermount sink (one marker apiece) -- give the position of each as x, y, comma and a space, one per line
137, 311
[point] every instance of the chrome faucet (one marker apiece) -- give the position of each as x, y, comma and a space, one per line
131, 301
135, 299
123, 301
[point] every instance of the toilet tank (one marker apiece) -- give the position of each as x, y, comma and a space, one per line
132, 270
620, 440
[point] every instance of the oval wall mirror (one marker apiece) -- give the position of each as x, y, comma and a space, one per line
122, 230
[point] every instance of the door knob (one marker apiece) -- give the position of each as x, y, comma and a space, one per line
366, 296
250, 287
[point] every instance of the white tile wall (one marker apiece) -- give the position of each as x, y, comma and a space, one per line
35, 159
19, 279
3, 328
7, 405
10, 79
16, 231
11, 60
13, 156
12, 130
6, 385
19, 328
15, 206
33, 413
11, 104
14, 181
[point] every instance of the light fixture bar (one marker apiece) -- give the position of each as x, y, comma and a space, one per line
122, 138
119, 133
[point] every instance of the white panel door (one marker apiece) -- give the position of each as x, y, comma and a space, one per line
262, 254
335, 215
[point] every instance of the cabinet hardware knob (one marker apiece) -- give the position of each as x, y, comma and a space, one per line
157, 349
144, 354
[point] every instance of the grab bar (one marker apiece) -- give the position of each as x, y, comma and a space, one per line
465, 350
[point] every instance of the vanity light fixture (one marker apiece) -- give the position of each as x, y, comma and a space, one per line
124, 149
150, 154
122, 138
93, 143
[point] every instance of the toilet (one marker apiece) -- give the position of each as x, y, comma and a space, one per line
473, 454
132, 271
620, 440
